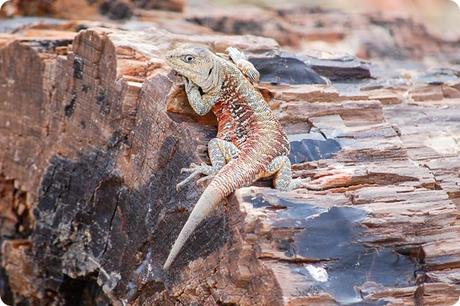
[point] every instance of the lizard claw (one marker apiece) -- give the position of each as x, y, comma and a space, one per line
186, 180
300, 183
204, 179
313, 186
243, 64
192, 168
306, 183
195, 171
249, 70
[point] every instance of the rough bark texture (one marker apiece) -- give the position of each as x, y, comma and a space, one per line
94, 129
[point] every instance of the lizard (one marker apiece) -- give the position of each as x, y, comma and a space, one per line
250, 142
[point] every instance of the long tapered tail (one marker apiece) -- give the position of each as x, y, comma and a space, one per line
208, 200
227, 180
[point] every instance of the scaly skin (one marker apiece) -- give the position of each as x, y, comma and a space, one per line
250, 142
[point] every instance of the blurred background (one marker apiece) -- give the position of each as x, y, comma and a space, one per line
442, 16
347, 26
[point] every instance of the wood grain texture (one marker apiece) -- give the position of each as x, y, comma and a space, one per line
94, 128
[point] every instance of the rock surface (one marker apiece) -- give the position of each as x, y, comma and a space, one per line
95, 128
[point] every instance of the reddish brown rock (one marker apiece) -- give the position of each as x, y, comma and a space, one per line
95, 129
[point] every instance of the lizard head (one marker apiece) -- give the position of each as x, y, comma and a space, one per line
194, 63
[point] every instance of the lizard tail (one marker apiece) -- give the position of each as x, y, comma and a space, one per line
234, 175
210, 198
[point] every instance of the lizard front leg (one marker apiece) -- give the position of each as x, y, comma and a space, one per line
220, 152
280, 167
201, 104
245, 66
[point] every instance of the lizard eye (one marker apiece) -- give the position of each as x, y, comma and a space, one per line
188, 58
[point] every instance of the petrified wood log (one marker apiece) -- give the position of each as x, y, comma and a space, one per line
95, 128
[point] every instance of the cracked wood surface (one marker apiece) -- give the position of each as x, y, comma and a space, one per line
96, 127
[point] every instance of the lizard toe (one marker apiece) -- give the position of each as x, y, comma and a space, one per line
204, 179
299, 183
193, 167
186, 180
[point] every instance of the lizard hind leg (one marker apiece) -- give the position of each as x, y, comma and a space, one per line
220, 152
280, 167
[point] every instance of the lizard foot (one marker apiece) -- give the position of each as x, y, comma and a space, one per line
194, 171
299, 183
245, 66
204, 179
248, 69
305, 183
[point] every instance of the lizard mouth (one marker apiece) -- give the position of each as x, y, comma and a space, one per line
179, 75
